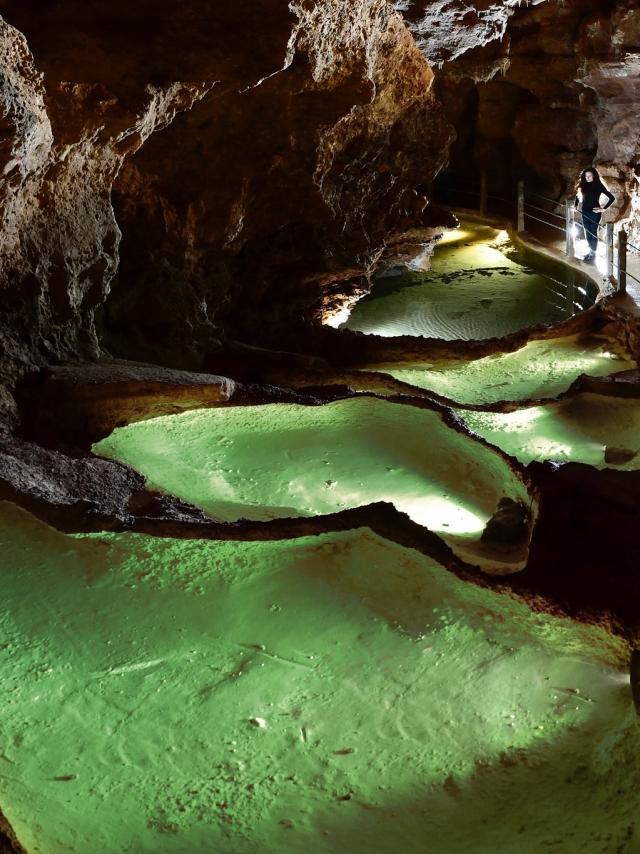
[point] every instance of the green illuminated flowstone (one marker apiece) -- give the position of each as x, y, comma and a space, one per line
280, 460
473, 291
541, 369
336, 693
601, 431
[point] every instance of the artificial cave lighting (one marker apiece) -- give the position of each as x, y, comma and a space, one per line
338, 317
285, 460
474, 290
601, 263
442, 515
540, 369
289, 685
454, 236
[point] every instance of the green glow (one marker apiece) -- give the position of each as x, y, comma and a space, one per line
473, 291
284, 460
541, 369
578, 429
132, 668
443, 515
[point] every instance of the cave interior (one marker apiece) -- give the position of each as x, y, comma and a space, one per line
319, 465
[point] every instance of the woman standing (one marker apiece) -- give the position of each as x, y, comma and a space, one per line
588, 191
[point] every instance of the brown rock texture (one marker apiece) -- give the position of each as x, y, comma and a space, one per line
446, 29
306, 130
61, 148
70, 403
281, 188
296, 144
8, 842
554, 95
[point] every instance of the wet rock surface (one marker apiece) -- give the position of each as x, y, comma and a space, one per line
8, 841
77, 404
509, 524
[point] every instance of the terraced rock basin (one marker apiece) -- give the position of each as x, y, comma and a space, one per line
541, 369
595, 429
278, 460
335, 693
474, 290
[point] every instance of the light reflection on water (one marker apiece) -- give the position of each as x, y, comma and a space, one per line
472, 292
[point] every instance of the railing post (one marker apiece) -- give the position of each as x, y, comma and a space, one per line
609, 230
568, 225
622, 261
520, 205
483, 192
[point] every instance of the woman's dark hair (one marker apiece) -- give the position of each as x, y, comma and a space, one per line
596, 183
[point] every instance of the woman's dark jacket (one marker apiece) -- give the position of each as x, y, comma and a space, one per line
591, 197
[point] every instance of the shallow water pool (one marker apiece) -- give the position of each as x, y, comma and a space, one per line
541, 369
594, 429
473, 291
283, 460
333, 693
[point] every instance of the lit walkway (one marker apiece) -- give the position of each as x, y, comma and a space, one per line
556, 245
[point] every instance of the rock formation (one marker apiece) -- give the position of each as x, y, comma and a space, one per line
551, 93
181, 186
304, 135
187, 188
63, 145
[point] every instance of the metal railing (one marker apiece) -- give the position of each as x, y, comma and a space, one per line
616, 251
622, 273
560, 216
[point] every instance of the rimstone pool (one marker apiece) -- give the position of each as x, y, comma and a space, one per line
319, 495
333, 693
338, 692
477, 288
536, 371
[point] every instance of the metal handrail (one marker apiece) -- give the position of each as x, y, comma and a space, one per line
544, 222
568, 210
545, 198
628, 274
551, 213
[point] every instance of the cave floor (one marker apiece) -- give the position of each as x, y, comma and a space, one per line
333, 693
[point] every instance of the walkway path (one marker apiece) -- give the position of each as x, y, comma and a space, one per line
555, 243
